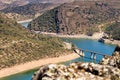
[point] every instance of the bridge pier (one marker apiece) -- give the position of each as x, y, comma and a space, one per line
93, 57
81, 53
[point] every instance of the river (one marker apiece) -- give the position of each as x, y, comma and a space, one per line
86, 44
92, 45
25, 24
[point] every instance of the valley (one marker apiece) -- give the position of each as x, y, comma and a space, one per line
63, 38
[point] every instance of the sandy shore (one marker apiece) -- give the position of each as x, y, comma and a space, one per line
24, 21
68, 36
35, 64
114, 42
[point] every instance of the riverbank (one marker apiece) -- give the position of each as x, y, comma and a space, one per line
24, 21
114, 42
95, 36
35, 64
69, 36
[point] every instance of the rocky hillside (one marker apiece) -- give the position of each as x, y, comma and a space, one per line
113, 30
109, 69
78, 17
19, 45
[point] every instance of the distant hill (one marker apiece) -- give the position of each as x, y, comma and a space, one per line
27, 11
12, 3
34, 1
78, 17
19, 45
50, 1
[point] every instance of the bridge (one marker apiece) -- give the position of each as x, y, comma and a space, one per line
80, 52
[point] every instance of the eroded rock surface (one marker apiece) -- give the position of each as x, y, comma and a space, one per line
77, 71
108, 69
114, 60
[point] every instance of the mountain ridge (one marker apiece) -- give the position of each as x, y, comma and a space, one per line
77, 17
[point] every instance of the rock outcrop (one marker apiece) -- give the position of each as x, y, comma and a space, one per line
117, 48
77, 71
112, 61
108, 69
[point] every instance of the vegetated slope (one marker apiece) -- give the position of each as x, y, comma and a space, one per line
79, 17
113, 30
19, 45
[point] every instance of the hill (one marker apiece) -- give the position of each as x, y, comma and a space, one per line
113, 30
27, 11
50, 1
19, 45
12, 3
34, 1
78, 17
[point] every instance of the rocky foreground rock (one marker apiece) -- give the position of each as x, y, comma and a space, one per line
114, 60
108, 69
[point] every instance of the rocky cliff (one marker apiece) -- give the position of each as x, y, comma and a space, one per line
109, 69
78, 17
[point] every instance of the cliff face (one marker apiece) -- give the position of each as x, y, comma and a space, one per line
81, 71
77, 17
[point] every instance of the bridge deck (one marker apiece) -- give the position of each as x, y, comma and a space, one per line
103, 54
